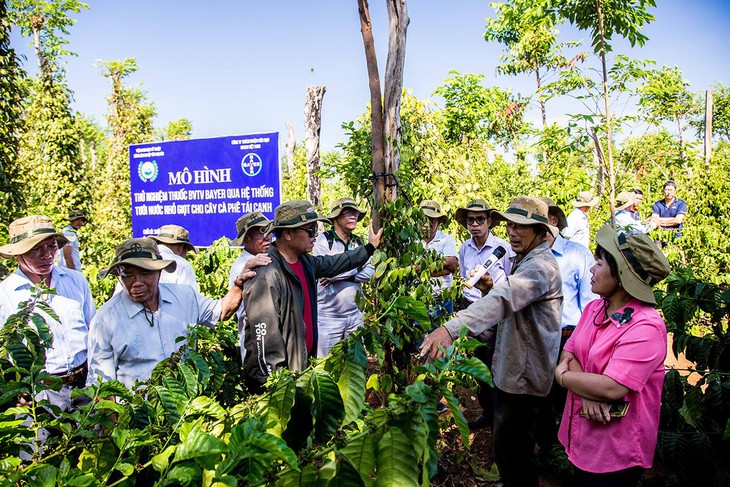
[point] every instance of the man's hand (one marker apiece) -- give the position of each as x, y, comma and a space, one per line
430, 345
484, 284
324, 282
373, 237
257, 261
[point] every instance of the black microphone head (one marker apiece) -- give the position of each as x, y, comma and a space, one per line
499, 252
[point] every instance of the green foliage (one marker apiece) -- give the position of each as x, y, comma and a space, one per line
720, 113
694, 444
176, 130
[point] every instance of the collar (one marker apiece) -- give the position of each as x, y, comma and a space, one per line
623, 316
19, 279
133, 308
489, 243
559, 244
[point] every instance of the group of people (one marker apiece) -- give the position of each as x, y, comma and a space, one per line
293, 292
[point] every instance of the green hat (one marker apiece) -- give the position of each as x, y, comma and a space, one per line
433, 210
474, 205
139, 252
624, 200
554, 208
75, 215
248, 221
343, 203
527, 210
174, 234
585, 198
640, 262
294, 214
26, 232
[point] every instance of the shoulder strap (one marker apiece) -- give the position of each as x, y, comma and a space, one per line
330, 236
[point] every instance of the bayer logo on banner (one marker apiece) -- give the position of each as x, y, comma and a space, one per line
251, 164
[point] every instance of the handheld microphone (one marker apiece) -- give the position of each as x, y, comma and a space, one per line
482, 269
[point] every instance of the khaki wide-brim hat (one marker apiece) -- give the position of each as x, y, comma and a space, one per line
174, 234
585, 198
433, 210
294, 214
640, 262
343, 203
474, 205
76, 215
624, 200
554, 208
24, 233
527, 210
248, 221
139, 252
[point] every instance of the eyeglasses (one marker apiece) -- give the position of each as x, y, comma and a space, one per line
348, 212
311, 231
479, 220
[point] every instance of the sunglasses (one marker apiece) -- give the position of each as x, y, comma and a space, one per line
311, 231
479, 220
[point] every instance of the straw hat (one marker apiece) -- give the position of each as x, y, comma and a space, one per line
527, 210
433, 210
26, 232
554, 208
343, 203
294, 214
585, 198
624, 200
474, 205
248, 221
174, 234
640, 262
139, 252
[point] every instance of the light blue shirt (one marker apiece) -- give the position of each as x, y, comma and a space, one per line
73, 242
470, 257
578, 230
626, 222
124, 346
575, 262
183, 273
73, 305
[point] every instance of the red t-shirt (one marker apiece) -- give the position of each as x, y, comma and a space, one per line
298, 269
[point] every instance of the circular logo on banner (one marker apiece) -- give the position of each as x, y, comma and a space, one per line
148, 171
251, 164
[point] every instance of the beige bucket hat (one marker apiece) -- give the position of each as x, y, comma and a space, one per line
433, 210
553, 207
294, 214
343, 203
248, 221
527, 210
640, 262
139, 252
474, 205
24, 233
585, 198
174, 234
624, 200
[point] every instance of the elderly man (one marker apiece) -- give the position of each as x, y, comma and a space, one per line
338, 314
578, 229
281, 300
525, 310
476, 218
138, 328
668, 213
445, 247
34, 243
173, 241
70, 256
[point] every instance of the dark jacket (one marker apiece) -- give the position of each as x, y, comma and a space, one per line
273, 331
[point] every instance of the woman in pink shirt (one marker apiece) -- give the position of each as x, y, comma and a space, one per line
615, 356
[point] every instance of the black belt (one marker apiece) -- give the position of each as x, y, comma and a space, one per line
75, 377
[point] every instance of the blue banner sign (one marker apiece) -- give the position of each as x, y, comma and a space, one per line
204, 185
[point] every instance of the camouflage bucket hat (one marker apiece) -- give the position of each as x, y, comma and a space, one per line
24, 233
76, 215
138, 252
343, 203
554, 208
526, 210
585, 198
624, 200
433, 210
174, 234
474, 205
640, 262
246, 223
294, 214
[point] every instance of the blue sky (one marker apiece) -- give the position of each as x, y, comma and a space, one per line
236, 67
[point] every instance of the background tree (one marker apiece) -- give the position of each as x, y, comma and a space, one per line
11, 124
180, 129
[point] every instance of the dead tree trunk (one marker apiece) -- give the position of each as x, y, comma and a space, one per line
291, 145
312, 127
